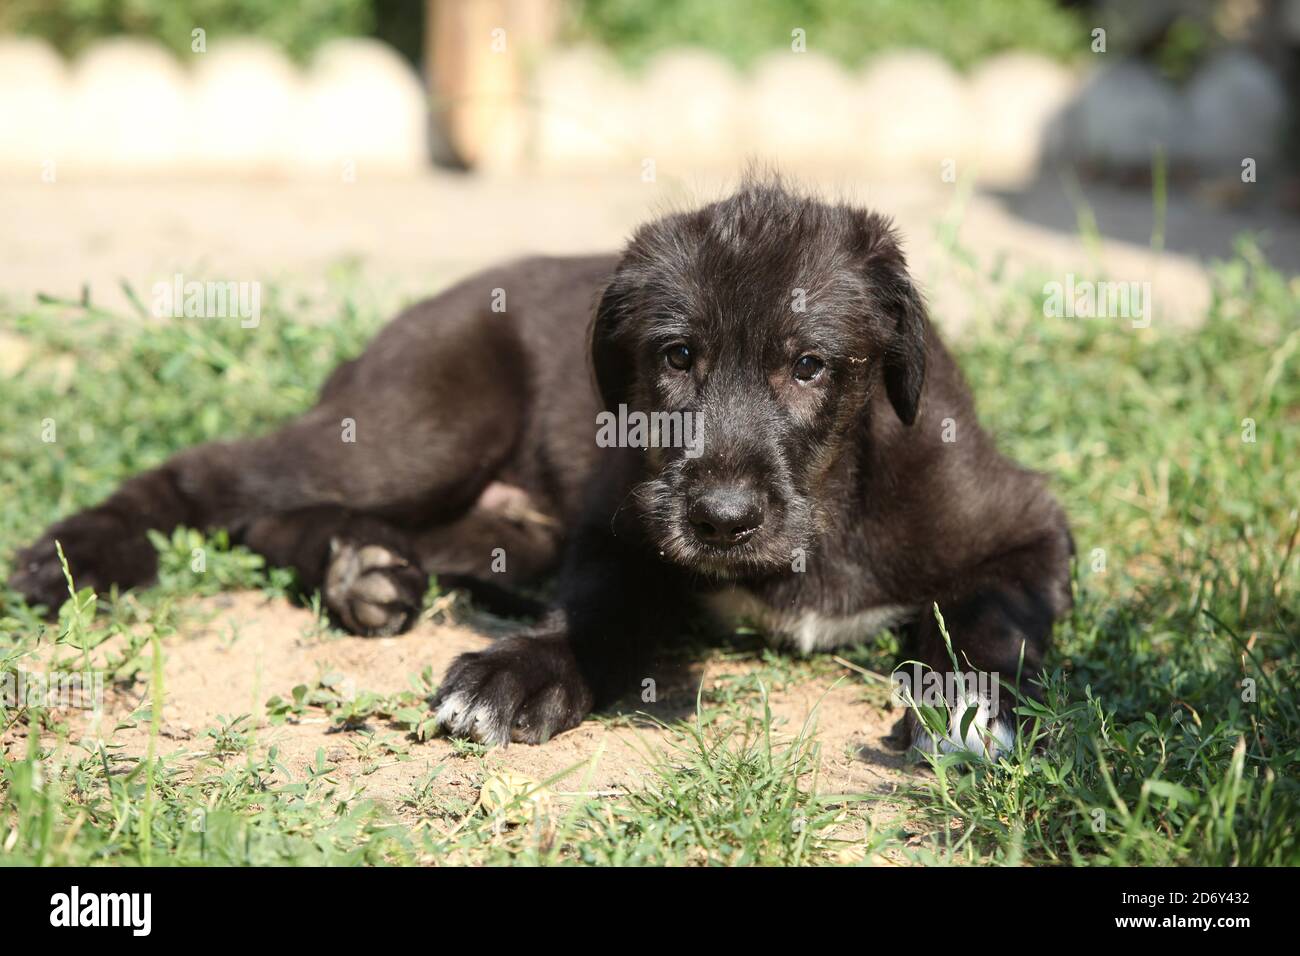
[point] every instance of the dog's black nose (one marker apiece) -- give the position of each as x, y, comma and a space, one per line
725, 516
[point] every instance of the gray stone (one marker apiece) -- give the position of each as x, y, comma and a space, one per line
1124, 112
1236, 109
1289, 17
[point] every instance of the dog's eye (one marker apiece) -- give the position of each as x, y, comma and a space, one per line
678, 356
808, 368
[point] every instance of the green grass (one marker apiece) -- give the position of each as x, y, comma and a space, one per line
1171, 726
847, 30
1173, 721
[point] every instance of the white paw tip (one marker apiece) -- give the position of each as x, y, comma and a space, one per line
984, 736
452, 706
460, 717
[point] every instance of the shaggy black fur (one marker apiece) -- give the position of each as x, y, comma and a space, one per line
841, 467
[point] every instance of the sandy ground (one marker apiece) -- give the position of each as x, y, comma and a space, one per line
414, 236
242, 648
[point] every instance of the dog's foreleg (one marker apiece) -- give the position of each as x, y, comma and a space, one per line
998, 634
617, 606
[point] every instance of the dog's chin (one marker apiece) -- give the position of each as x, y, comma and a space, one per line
759, 556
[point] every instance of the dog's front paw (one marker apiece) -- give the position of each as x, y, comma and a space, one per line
523, 689
101, 551
975, 725
372, 589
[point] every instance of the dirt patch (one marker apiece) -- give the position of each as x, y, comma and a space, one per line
242, 648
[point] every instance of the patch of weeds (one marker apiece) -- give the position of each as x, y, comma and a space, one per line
232, 735
350, 709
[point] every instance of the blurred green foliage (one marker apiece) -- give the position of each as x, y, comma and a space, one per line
298, 27
963, 31
1183, 47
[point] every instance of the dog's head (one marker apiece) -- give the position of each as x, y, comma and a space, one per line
757, 330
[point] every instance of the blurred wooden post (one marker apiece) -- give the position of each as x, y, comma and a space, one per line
476, 53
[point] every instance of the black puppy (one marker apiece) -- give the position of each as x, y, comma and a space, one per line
775, 433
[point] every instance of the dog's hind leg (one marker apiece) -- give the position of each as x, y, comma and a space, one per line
365, 568
394, 436
373, 574
502, 538
504, 541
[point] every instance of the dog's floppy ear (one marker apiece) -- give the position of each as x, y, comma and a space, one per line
901, 314
609, 359
904, 361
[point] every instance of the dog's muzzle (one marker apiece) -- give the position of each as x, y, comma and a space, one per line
725, 515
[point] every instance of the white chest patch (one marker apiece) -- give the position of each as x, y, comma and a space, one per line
805, 630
